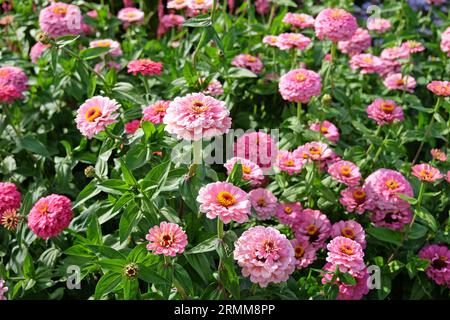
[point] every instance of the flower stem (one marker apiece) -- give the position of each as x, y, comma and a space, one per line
299, 112
377, 133
220, 229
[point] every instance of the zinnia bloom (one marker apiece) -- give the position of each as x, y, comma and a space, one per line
367, 62
250, 170
199, 4
335, 24
346, 254
114, 46
346, 291
264, 203
61, 19
300, 85
177, 4
50, 216
248, 61
265, 255
10, 219
271, 41
167, 239
289, 213
196, 117
3, 290
426, 172
395, 53
384, 111
413, 46
15, 77
327, 128
345, 172
288, 41
355, 200
378, 25
439, 88
396, 81
445, 41
358, 43
438, 155
214, 88
225, 201
394, 218
95, 114
288, 163
155, 112
132, 126
439, 268
299, 20
145, 67
37, 50
349, 229
315, 151
9, 93
10, 197
257, 147
130, 15
313, 227
305, 254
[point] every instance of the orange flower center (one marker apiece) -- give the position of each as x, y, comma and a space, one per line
359, 194
300, 18
273, 39
250, 58
93, 113
287, 210
103, 43
299, 251
60, 10
311, 229
300, 77
43, 208
426, 174
179, 1
4, 73
269, 246
336, 14
261, 202
367, 60
413, 44
324, 130
392, 184
315, 150
166, 240
289, 163
199, 1
400, 82
131, 14
348, 233
226, 199
199, 107
345, 170
387, 107
246, 169
346, 249
160, 108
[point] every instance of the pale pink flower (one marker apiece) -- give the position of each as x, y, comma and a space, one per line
37, 50
61, 19
299, 20
327, 128
271, 40
349, 229
248, 61
214, 88
92, 14
315, 151
395, 53
172, 20
289, 213
264, 203
50, 216
130, 15
265, 255
257, 147
335, 24
288, 163
167, 239
347, 291
394, 218
345, 172
177, 4
314, 227
439, 267
200, 4
397, 82
95, 114
445, 41
3, 290
300, 85
378, 25
384, 111
197, 116
358, 43
224, 201
305, 254
440, 88
132, 126
367, 62
250, 170
145, 67
288, 41
438, 155
346, 254
413, 46
355, 200
114, 46
426, 172
155, 112
10, 197
447, 176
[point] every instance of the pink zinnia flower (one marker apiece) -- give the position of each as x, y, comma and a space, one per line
313, 227
346, 291
9, 93
248, 61
225, 201
445, 41
155, 112
167, 239
335, 24
92, 14
439, 268
327, 128
288, 163
257, 147
397, 82
305, 254
99, 67
199, 4
262, 6
345, 172
394, 218
440, 88
367, 62
358, 43
250, 170
355, 200
447, 176
10, 197
288, 41
177, 4
145, 67
3, 290
438, 155
395, 53
300, 85
197, 116
315, 151
383, 185
61, 19
384, 111
271, 41
172, 20
265, 255
349, 229
13, 76
50, 216
37, 50
378, 25
114, 46
130, 15
264, 203
132, 126
413, 46
299, 20
289, 213
426, 172
214, 88
346, 254
95, 114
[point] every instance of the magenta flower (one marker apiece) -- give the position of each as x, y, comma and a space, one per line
248, 61
358, 43
355, 200
155, 112
384, 111
250, 170
395, 53
3, 289
439, 267
50, 216
61, 19
289, 213
299, 20
14, 77
349, 229
257, 147
346, 254
445, 41
438, 155
224, 201
300, 85
167, 239
265, 255
145, 67
264, 203
426, 172
288, 163
313, 227
9, 93
214, 88
346, 291
394, 218
335, 24
378, 25
37, 50
396, 81
132, 126
305, 254
439, 88
114, 46
413, 46
10, 197
327, 128
345, 172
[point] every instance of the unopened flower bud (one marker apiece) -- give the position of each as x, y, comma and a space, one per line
131, 270
326, 99
43, 37
89, 172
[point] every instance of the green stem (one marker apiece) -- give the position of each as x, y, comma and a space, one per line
220, 229
380, 148
299, 112
377, 133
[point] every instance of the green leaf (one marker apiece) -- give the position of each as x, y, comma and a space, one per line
240, 73
347, 279
148, 275
94, 231
114, 186
92, 53
127, 175
130, 289
428, 218
386, 235
107, 283
32, 144
128, 221
206, 246
115, 265
198, 21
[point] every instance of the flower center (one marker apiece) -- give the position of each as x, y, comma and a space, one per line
387, 107
315, 150
226, 199
199, 107
345, 170
199, 1
166, 240
179, 1
103, 43
413, 44
60, 10
93, 113
324, 130
346, 249
367, 60
336, 14
269, 246
289, 163
299, 251
4, 73
392, 184
400, 82
311, 229
250, 58
440, 263
359, 195
160, 109
246, 169
273, 39
43, 208
300, 77
288, 210
261, 202
426, 174
130, 14
300, 18
348, 233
